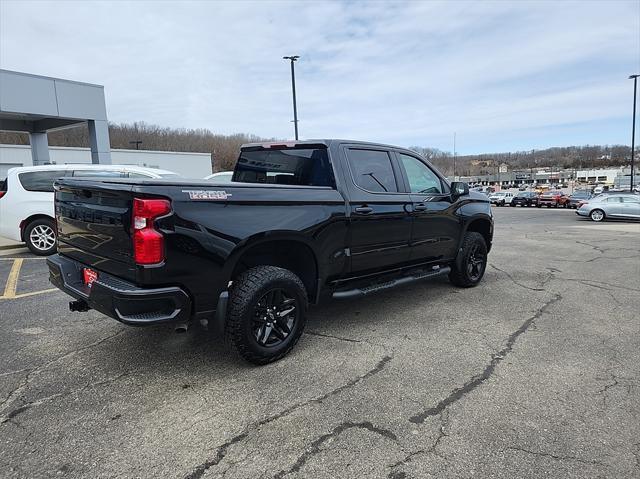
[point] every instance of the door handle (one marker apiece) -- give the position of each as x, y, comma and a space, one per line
364, 210
420, 207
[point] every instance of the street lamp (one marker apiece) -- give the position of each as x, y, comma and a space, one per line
293, 59
454, 156
633, 132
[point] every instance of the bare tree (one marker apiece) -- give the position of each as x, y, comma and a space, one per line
224, 149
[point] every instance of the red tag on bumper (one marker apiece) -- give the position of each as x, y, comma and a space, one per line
89, 276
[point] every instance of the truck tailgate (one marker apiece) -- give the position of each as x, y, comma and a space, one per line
94, 224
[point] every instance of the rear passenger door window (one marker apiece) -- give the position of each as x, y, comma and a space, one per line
41, 181
372, 170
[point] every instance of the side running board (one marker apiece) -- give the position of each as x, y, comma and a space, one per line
374, 288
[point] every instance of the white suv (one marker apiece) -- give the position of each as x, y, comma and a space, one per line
501, 198
26, 199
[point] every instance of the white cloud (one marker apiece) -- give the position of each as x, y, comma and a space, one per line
408, 73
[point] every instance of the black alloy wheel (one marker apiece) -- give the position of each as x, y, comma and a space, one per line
469, 268
476, 262
275, 317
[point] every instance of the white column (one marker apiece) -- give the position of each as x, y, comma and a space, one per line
39, 148
99, 141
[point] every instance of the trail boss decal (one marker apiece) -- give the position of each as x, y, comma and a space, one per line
207, 194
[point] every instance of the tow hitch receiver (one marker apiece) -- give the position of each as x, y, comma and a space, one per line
79, 306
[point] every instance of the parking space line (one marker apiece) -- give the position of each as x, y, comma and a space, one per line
13, 259
12, 280
12, 283
33, 293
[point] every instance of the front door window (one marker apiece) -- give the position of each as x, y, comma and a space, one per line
421, 179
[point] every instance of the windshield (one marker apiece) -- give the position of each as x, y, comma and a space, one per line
290, 166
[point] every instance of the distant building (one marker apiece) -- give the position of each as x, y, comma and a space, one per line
503, 168
624, 181
600, 175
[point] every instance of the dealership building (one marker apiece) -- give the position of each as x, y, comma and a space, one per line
36, 105
605, 176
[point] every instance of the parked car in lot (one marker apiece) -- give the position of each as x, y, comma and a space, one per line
501, 198
578, 197
527, 198
220, 177
486, 190
302, 222
26, 199
552, 199
615, 206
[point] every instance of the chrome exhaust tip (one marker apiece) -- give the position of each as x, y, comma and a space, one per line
181, 328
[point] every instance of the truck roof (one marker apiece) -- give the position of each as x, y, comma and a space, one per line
324, 141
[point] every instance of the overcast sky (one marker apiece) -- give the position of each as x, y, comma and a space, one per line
503, 75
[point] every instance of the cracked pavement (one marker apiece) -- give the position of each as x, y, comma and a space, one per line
534, 373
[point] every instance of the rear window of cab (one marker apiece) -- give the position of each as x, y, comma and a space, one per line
285, 166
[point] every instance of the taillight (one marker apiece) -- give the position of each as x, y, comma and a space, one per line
2, 193
148, 243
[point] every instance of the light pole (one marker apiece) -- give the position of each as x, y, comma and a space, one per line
633, 132
293, 59
454, 156
534, 178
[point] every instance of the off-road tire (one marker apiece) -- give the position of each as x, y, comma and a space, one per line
246, 291
461, 277
40, 248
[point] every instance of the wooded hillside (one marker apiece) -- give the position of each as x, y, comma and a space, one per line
224, 149
577, 157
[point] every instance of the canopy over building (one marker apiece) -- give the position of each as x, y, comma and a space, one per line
37, 104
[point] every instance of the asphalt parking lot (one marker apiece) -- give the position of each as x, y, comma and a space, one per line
534, 373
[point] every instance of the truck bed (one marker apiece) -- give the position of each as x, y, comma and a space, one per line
94, 221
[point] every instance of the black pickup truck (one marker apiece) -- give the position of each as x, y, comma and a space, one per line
300, 222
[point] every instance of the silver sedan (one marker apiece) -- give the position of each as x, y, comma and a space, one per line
623, 206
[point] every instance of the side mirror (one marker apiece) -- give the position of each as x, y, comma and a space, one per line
459, 188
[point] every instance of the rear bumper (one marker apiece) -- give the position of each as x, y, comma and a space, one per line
120, 299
